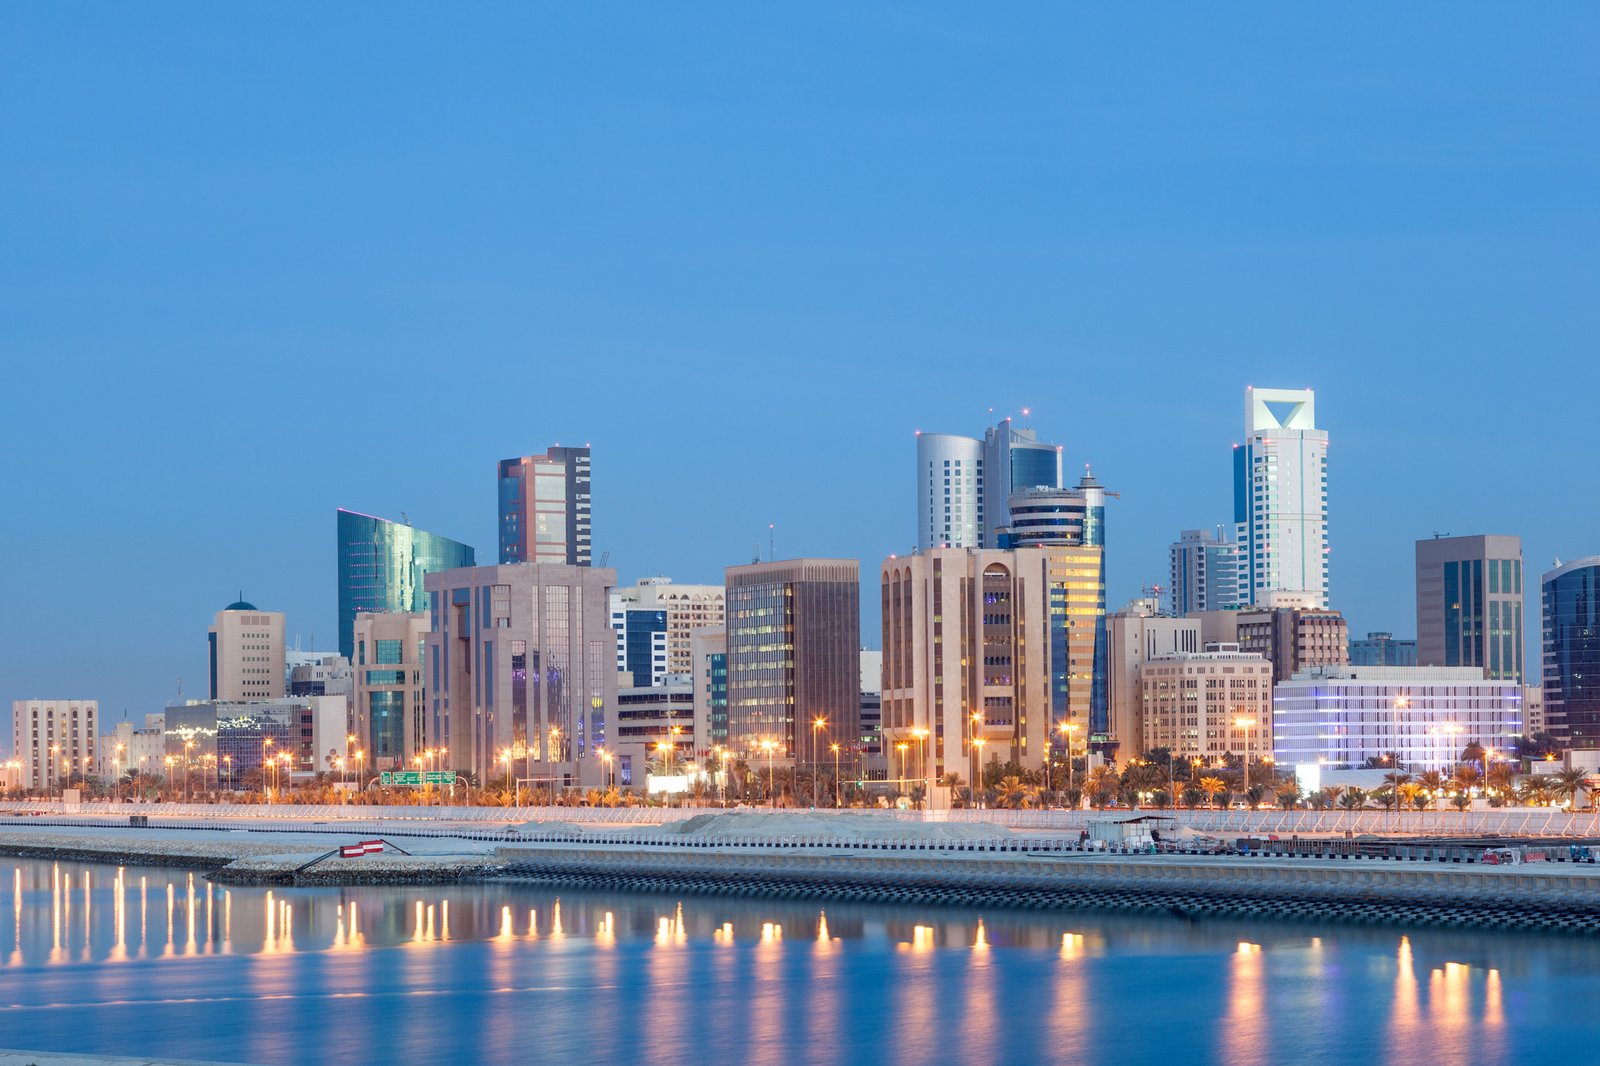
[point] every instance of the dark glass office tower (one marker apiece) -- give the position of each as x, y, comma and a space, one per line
544, 508
1469, 604
381, 566
1572, 651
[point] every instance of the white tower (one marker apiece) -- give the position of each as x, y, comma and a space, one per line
949, 491
1280, 497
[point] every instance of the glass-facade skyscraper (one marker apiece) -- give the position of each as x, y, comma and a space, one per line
1469, 604
1571, 595
381, 567
544, 508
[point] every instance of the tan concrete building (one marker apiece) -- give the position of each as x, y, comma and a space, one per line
247, 657
126, 747
388, 711
53, 739
966, 657
1134, 636
1194, 703
687, 607
1295, 638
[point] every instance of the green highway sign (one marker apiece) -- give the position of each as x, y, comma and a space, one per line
417, 777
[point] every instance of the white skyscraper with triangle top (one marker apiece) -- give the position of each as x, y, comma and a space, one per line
1280, 498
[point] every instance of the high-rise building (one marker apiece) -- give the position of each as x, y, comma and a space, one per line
1382, 649
641, 643
1469, 604
1204, 573
1136, 635
1208, 704
382, 565
521, 670
681, 609
949, 491
1293, 639
1570, 595
1014, 460
966, 659
390, 710
54, 739
544, 508
1280, 497
794, 656
1341, 716
246, 646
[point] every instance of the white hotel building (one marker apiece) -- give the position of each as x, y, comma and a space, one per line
1341, 716
1280, 498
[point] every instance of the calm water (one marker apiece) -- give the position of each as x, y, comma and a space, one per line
141, 961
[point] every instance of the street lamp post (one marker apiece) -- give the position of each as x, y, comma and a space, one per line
116, 766
55, 763
922, 760
772, 780
977, 744
816, 727
838, 790
266, 766
1245, 724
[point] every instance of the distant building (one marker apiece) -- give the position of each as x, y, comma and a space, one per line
641, 642
1136, 635
1570, 595
329, 676
129, 748
950, 491
521, 668
1204, 573
1280, 497
1341, 716
793, 629
1534, 722
389, 704
1469, 604
544, 508
709, 660
682, 608
1381, 649
54, 739
382, 565
218, 740
650, 721
870, 744
1208, 704
1293, 639
246, 651
1014, 461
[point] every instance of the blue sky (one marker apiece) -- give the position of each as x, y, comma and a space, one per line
259, 262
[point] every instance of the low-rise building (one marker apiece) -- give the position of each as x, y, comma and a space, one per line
133, 748
1208, 704
388, 709
655, 726
1426, 715
54, 739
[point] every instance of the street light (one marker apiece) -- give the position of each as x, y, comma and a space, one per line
1066, 730
55, 761
816, 726
771, 747
838, 791
1245, 724
922, 759
116, 766
977, 745
266, 766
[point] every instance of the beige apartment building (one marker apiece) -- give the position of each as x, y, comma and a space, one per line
687, 608
389, 710
966, 659
247, 656
53, 739
1208, 704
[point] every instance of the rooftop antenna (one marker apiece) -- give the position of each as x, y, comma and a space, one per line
1437, 535
771, 540
405, 519
180, 690
755, 555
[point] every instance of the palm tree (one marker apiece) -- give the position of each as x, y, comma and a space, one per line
1500, 777
1212, 786
1333, 792
1013, 793
1353, 800
1102, 785
1433, 781
1466, 777
1288, 794
1569, 783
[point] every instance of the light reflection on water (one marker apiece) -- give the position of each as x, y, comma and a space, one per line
161, 962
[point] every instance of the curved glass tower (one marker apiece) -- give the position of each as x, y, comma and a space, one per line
381, 566
1572, 651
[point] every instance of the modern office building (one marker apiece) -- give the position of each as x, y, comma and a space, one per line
1040, 517
544, 508
1209, 704
656, 731
641, 642
1382, 649
709, 670
793, 630
673, 609
949, 491
246, 652
382, 565
1134, 636
1280, 497
1469, 604
1570, 595
1014, 460
966, 658
220, 740
389, 708
869, 747
1534, 722
54, 739
1293, 639
521, 670
1203, 573
1341, 716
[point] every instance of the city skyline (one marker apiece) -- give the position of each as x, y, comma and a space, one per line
1110, 269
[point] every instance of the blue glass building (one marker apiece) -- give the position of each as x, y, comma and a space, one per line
1571, 596
381, 567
